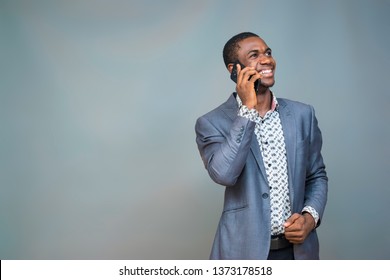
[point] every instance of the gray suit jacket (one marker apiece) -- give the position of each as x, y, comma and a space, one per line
231, 155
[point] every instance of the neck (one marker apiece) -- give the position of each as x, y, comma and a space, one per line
264, 102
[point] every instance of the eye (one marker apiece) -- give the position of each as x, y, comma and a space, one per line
268, 52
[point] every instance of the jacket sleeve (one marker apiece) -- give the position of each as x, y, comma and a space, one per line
316, 184
224, 150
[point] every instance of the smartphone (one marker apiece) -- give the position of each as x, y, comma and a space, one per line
234, 74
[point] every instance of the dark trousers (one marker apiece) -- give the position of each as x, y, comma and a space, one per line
282, 254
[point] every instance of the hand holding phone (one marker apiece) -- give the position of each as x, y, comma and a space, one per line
234, 74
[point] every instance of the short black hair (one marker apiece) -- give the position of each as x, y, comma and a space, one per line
231, 46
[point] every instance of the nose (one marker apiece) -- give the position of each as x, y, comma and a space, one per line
264, 59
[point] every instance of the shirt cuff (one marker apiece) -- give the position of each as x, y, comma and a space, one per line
312, 212
250, 114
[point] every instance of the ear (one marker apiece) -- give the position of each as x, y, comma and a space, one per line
230, 67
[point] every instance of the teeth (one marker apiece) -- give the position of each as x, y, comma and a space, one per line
266, 71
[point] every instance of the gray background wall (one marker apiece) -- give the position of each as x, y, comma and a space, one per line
98, 101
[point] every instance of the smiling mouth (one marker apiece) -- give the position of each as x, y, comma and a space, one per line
266, 72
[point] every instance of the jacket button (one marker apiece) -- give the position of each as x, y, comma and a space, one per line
264, 195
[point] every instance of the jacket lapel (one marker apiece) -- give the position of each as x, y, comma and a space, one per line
255, 149
289, 131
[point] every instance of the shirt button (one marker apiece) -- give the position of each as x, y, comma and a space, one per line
264, 195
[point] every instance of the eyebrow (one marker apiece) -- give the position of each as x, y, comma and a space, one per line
257, 51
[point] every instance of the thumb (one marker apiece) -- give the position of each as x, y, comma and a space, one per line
291, 220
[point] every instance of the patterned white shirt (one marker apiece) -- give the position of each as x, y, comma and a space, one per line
269, 134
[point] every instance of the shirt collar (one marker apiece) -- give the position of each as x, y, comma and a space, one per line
274, 105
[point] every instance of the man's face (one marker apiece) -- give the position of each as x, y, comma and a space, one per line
254, 52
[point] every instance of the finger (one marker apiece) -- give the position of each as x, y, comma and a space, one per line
247, 75
255, 77
295, 236
295, 240
244, 74
291, 220
247, 72
295, 228
239, 74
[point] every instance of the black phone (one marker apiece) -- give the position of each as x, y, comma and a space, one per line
234, 74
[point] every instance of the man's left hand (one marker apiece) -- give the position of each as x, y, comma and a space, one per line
298, 227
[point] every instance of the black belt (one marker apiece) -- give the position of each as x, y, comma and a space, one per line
279, 242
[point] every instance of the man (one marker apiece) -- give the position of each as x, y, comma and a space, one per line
266, 151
